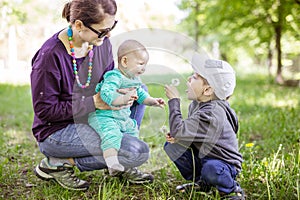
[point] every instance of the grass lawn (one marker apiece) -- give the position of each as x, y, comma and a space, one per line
269, 140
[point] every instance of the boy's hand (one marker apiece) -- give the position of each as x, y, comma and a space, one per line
170, 139
171, 92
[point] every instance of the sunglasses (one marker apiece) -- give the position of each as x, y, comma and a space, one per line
104, 32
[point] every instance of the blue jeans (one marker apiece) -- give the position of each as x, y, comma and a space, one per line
81, 142
211, 171
138, 110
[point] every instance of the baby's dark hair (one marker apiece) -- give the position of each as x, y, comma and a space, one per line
88, 11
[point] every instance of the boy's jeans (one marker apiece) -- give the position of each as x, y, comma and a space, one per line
211, 171
81, 142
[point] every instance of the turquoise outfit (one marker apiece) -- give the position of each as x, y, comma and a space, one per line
112, 124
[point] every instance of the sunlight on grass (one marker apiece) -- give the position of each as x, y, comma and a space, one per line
264, 98
271, 100
292, 103
17, 136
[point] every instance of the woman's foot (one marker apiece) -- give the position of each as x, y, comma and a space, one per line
64, 175
133, 175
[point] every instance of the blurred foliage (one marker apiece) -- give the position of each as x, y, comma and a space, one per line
12, 13
243, 24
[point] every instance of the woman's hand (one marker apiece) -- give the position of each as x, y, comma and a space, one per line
101, 105
130, 92
126, 90
171, 92
126, 99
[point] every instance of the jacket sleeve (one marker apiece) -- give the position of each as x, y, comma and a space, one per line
46, 87
202, 125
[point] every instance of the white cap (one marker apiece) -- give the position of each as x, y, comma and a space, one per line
218, 73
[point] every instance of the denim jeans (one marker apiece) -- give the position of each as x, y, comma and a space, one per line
81, 142
211, 171
138, 110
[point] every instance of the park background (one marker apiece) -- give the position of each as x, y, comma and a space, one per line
261, 39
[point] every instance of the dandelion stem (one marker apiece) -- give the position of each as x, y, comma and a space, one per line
268, 186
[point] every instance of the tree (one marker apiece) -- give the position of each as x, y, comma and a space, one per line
256, 26
23, 23
10, 17
11, 14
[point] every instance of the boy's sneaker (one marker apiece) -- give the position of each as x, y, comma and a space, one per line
198, 186
135, 176
237, 194
64, 175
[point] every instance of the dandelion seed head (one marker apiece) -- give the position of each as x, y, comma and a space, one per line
163, 129
175, 82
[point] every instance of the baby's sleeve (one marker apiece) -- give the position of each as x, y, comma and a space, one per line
109, 86
142, 94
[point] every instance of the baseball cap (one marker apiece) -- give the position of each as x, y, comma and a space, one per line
218, 73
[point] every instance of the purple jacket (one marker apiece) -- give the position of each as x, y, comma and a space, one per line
56, 98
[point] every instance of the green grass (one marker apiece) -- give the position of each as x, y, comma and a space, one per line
269, 139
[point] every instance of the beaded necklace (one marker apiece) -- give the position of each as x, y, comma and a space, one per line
74, 63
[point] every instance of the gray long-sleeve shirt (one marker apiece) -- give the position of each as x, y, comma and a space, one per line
56, 97
210, 126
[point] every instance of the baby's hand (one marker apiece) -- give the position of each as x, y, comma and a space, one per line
170, 139
159, 102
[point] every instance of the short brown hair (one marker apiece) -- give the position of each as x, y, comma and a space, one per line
204, 79
88, 11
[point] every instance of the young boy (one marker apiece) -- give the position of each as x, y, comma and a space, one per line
112, 124
204, 146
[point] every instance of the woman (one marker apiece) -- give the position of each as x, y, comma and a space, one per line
65, 71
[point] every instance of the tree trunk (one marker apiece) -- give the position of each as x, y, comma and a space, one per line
197, 31
269, 61
12, 47
278, 32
